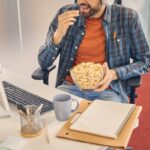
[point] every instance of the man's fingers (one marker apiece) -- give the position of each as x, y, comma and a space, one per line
74, 12
60, 18
106, 68
70, 13
103, 87
104, 81
101, 83
106, 77
65, 26
105, 65
65, 20
61, 24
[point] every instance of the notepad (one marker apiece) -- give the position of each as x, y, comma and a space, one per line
103, 118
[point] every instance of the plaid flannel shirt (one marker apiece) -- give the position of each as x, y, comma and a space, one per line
125, 40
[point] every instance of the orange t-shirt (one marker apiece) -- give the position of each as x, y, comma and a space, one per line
92, 47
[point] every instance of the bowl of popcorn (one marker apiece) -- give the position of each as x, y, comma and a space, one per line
87, 75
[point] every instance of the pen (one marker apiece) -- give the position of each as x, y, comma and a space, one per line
39, 108
28, 119
46, 131
27, 110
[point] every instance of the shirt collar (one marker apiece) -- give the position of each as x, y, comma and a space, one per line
81, 21
106, 17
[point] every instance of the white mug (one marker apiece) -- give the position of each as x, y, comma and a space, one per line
63, 106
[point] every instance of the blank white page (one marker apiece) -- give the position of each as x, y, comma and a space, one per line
104, 118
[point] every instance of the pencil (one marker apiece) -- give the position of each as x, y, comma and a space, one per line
115, 35
46, 131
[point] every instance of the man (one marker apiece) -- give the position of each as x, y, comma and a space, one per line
91, 31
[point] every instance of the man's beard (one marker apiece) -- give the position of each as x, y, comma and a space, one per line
87, 11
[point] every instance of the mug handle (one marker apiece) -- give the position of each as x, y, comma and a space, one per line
77, 104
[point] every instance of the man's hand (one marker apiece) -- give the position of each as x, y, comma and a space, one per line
110, 75
65, 20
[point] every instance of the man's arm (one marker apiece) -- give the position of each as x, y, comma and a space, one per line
57, 30
49, 51
140, 52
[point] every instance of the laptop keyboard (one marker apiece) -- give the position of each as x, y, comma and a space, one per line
19, 96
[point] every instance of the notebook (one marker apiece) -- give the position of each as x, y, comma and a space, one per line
103, 118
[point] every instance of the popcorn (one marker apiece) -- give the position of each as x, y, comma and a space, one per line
87, 75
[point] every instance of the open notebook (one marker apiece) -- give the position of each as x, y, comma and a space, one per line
104, 118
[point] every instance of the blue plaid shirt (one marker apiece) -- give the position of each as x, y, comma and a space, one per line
125, 40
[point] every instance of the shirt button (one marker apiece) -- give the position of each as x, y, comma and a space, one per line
118, 40
56, 48
71, 59
67, 70
82, 33
53, 57
76, 47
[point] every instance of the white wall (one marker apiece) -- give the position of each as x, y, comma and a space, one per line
9, 35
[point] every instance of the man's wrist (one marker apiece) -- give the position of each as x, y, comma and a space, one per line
114, 74
57, 38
